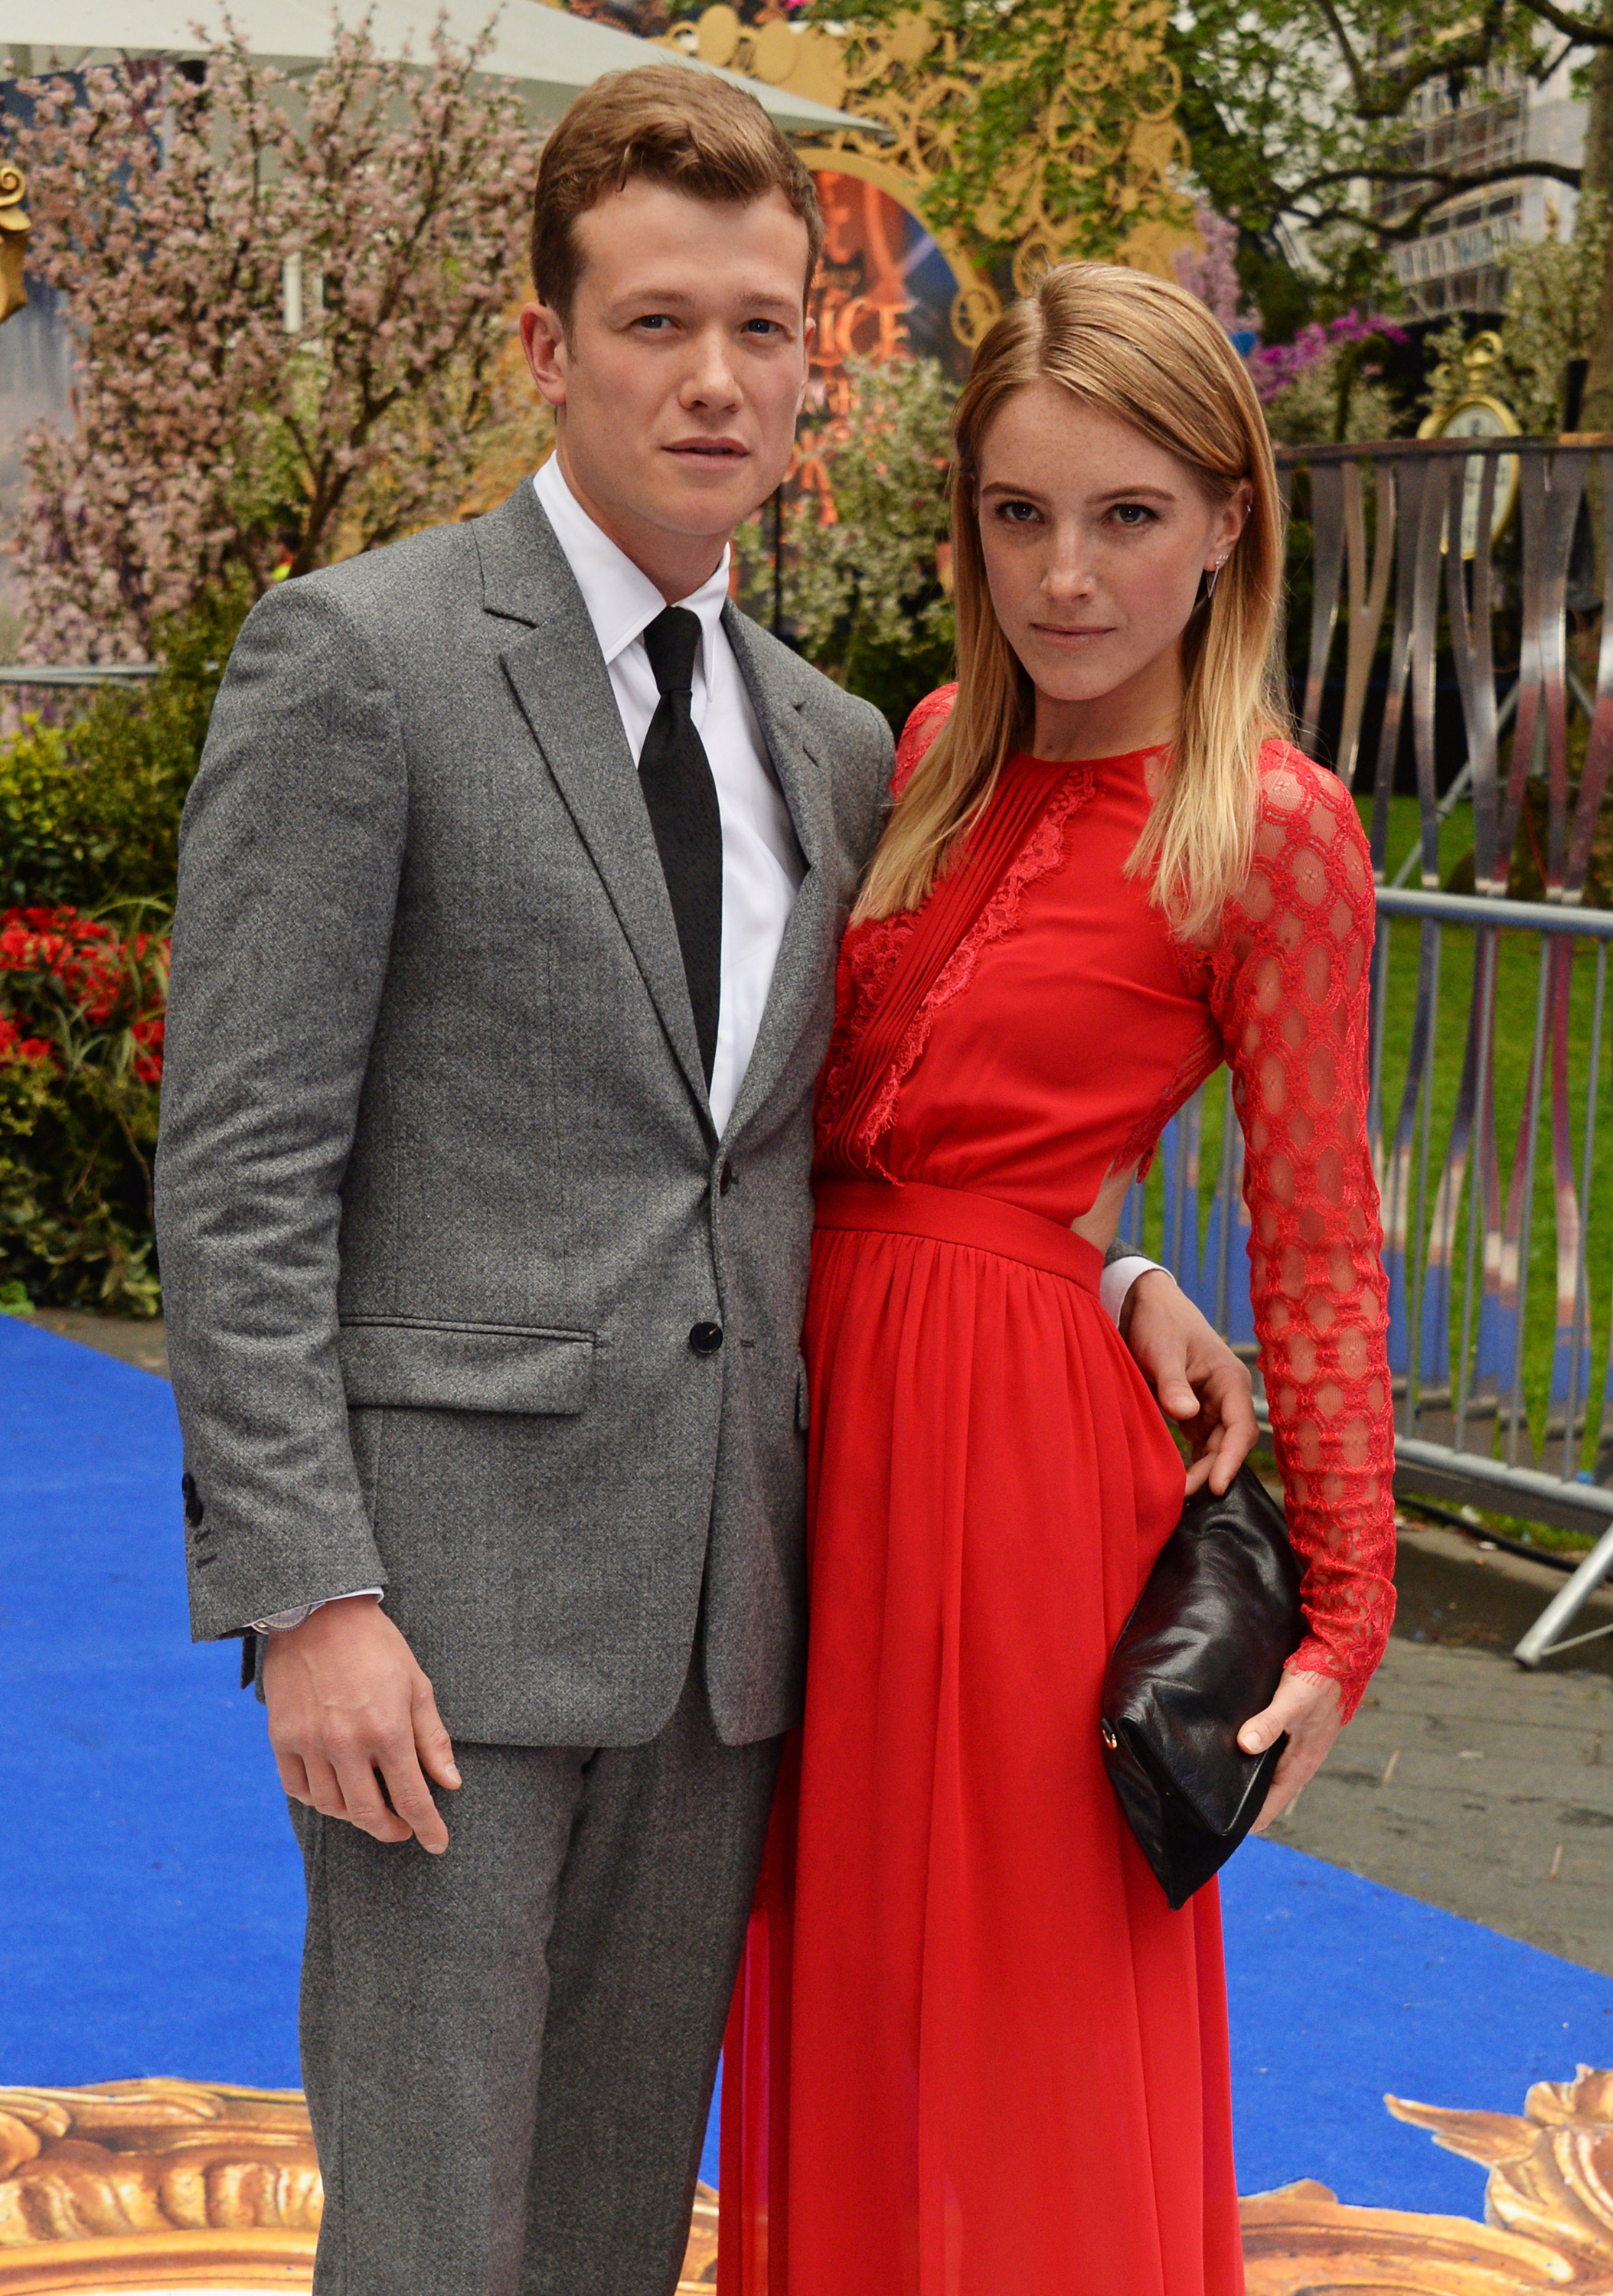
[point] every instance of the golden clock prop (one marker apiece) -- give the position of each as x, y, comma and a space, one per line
1465, 407
172, 2186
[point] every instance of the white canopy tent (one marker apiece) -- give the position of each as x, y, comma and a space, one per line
553, 54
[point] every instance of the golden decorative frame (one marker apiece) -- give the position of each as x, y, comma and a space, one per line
1548, 2211
14, 228
170, 2172
177, 2184
219, 2262
913, 81
160, 2184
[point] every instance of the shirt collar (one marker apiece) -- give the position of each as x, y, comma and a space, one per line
621, 598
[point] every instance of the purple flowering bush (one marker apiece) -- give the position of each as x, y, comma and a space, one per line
1275, 365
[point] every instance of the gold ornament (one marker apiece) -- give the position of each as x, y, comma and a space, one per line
918, 86
161, 2184
14, 228
173, 2184
1466, 377
1548, 2210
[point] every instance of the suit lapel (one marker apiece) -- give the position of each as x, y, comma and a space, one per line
808, 950
565, 690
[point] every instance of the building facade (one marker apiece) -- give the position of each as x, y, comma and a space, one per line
1458, 259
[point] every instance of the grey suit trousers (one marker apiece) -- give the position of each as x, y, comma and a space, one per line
509, 2050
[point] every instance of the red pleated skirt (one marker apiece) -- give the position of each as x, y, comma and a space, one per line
973, 2053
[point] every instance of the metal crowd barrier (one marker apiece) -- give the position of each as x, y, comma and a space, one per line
102, 673
1500, 1264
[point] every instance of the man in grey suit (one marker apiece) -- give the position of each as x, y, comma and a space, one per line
510, 891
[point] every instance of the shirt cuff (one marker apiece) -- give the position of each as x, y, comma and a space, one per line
1116, 1280
282, 1622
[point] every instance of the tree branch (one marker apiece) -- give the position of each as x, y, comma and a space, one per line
1450, 182
1359, 79
1385, 95
1584, 31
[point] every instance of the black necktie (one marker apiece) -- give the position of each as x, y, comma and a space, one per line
675, 775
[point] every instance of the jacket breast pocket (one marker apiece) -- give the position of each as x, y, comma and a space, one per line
394, 1362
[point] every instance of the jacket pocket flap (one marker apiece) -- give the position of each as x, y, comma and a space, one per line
465, 1367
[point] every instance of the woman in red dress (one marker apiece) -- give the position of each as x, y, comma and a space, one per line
973, 2053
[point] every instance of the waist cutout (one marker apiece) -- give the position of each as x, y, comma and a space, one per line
958, 1216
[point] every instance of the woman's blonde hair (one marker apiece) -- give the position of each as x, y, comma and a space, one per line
1153, 354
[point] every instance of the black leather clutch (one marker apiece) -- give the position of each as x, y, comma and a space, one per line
1202, 1651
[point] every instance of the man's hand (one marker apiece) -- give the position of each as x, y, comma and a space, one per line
1307, 1706
346, 1700
1198, 1381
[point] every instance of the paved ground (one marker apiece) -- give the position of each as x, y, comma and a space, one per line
134, 1340
1466, 1781
1463, 1780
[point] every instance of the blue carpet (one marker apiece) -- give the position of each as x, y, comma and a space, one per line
1339, 1989
152, 1883
154, 1897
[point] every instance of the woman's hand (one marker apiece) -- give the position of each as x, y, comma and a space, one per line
1307, 1706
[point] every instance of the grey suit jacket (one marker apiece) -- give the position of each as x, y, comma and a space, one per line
440, 1199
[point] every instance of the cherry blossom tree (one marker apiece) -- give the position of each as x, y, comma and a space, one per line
1210, 272
288, 305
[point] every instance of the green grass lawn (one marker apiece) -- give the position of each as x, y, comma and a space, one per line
1518, 984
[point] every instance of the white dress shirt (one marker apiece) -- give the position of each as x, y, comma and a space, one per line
1116, 1280
762, 863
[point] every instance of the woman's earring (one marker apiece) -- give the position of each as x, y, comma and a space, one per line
1214, 576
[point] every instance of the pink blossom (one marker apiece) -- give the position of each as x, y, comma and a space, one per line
1212, 277
206, 436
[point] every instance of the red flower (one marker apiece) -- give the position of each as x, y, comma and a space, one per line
15, 1046
86, 957
149, 1034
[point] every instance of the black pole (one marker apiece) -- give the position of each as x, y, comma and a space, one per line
1574, 391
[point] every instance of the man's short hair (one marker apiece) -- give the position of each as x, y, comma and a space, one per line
665, 124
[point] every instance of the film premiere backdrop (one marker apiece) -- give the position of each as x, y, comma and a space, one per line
894, 281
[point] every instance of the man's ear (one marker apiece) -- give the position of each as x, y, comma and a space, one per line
809, 332
543, 340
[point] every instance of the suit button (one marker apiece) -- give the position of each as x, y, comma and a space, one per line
705, 1339
727, 1180
194, 1507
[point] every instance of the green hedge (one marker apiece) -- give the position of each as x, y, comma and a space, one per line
89, 810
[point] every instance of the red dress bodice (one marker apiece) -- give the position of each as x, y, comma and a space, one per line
1068, 1026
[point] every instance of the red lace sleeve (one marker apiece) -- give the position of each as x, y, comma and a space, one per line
1289, 988
925, 721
